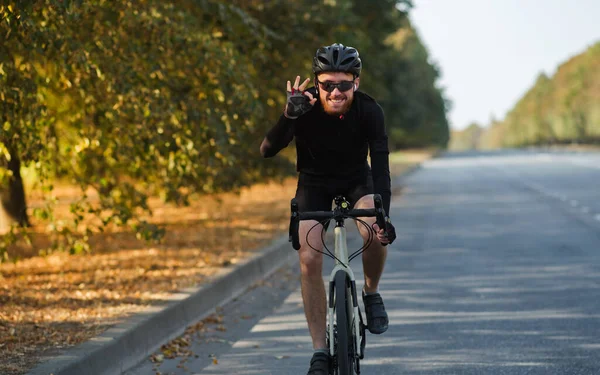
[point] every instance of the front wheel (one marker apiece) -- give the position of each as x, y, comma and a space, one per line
345, 341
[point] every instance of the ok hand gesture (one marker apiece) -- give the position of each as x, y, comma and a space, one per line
298, 101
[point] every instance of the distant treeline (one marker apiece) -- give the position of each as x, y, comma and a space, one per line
561, 109
172, 98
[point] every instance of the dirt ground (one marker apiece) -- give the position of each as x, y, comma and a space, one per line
49, 303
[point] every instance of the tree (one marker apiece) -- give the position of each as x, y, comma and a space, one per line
468, 138
139, 98
558, 109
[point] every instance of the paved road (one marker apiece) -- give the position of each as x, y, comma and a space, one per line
496, 271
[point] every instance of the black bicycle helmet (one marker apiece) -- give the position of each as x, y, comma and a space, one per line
337, 58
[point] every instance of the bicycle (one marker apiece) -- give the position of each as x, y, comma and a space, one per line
346, 337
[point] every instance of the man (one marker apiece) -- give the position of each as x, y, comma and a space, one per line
335, 126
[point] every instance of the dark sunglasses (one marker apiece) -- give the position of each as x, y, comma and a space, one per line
330, 86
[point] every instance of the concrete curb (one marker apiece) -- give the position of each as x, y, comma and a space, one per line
125, 345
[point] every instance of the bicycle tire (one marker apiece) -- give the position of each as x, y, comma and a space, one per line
344, 352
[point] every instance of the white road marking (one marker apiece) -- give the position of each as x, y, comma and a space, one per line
583, 163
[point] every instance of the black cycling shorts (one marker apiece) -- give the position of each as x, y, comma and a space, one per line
316, 193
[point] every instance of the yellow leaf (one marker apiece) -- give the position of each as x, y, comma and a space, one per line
4, 150
215, 361
220, 95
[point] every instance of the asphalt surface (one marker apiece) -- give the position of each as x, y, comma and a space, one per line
496, 270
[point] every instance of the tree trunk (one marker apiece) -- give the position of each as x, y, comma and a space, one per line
13, 208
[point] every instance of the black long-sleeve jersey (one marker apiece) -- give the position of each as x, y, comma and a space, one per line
337, 146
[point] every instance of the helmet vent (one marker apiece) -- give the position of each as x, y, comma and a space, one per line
348, 60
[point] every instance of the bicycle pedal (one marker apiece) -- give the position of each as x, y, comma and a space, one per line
363, 340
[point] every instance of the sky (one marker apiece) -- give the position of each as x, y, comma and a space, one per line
491, 51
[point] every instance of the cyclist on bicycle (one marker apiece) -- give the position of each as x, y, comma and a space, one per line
335, 127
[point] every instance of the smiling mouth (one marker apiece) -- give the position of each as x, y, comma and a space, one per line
337, 100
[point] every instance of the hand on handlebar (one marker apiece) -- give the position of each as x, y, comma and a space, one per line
384, 236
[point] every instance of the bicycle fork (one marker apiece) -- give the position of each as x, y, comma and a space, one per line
358, 327
341, 264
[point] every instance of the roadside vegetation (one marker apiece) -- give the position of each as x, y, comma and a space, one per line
558, 111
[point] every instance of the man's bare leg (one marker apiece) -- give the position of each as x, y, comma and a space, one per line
375, 255
313, 289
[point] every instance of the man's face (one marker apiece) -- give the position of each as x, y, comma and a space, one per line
336, 102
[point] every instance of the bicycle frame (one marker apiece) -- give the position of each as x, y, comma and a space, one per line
342, 263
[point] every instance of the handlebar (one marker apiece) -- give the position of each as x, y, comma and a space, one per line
339, 213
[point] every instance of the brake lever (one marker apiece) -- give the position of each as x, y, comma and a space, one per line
380, 214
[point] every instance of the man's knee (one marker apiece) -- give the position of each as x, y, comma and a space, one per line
311, 260
365, 202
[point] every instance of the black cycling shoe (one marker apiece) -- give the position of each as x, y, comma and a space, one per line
319, 364
377, 319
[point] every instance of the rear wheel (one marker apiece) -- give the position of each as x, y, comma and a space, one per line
345, 357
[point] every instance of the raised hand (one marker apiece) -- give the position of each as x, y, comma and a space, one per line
298, 101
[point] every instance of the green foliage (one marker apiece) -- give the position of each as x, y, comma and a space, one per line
145, 97
556, 110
